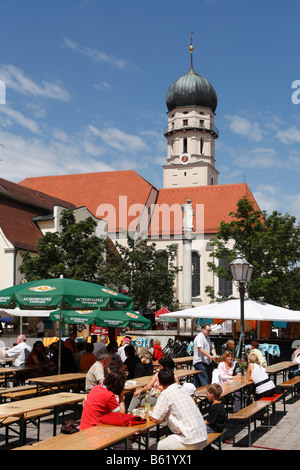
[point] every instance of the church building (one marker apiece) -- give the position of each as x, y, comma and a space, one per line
126, 201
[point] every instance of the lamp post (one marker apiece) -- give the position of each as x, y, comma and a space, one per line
241, 272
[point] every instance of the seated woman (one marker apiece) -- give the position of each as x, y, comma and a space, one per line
132, 365
226, 370
38, 358
255, 350
146, 359
153, 386
263, 386
104, 399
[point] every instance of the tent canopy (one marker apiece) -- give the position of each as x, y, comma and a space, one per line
231, 310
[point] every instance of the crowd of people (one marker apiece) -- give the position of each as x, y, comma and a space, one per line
108, 366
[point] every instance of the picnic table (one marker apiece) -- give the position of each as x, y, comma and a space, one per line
22, 407
57, 381
279, 368
21, 370
94, 438
231, 386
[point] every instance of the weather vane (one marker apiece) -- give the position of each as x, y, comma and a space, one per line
191, 37
191, 48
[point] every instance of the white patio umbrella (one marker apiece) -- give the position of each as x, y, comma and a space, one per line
17, 312
230, 310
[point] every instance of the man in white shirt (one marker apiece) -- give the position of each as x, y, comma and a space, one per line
176, 407
20, 352
204, 353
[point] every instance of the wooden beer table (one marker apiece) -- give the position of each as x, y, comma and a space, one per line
279, 368
54, 400
94, 438
57, 381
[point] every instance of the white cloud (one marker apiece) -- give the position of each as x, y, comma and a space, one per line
270, 198
113, 137
258, 158
95, 54
13, 116
289, 135
245, 128
16, 79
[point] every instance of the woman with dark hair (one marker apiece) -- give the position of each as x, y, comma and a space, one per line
104, 399
38, 358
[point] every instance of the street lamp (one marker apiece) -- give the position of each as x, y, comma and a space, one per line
241, 272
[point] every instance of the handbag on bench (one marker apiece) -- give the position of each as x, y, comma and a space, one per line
121, 419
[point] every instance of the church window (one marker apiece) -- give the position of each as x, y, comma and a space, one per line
201, 146
225, 285
195, 274
185, 122
185, 145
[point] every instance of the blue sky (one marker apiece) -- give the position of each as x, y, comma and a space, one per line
86, 83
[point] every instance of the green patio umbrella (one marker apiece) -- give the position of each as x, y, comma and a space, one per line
68, 293
105, 318
65, 294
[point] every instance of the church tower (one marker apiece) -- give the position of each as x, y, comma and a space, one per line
191, 133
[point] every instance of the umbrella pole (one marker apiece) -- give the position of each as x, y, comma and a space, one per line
59, 344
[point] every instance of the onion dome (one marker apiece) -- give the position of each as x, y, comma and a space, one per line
191, 90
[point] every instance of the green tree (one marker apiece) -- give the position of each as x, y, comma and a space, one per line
271, 243
148, 274
74, 252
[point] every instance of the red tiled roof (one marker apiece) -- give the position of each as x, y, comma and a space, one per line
217, 202
17, 207
93, 189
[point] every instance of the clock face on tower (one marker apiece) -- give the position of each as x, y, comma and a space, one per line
184, 158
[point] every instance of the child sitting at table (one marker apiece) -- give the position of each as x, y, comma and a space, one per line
216, 418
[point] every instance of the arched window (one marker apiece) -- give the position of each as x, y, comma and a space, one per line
185, 145
201, 146
195, 274
225, 285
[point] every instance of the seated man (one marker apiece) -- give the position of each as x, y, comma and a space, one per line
98, 371
176, 407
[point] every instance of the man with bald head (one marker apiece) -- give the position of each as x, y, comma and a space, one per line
19, 353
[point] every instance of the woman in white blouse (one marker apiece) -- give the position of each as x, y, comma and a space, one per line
264, 387
226, 370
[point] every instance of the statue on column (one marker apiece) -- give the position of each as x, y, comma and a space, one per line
188, 215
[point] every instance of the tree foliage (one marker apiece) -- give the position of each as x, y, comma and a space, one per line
77, 253
148, 274
271, 243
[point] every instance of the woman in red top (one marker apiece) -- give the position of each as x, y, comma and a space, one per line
104, 399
